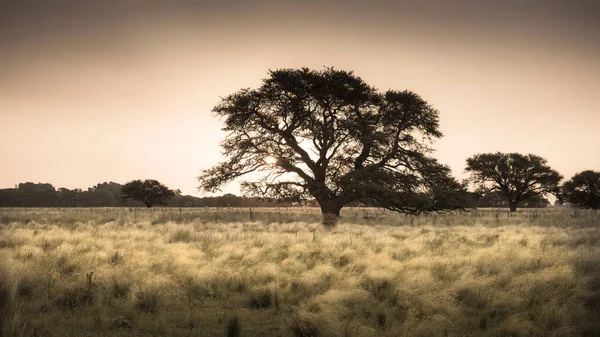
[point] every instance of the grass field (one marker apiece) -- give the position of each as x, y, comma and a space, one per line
277, 272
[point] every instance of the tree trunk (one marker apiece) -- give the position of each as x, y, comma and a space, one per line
513, 206
330, 209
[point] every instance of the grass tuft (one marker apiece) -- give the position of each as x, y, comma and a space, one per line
304, 326
148, 299
180, 235
120, 288
234, 326
264, 297
115, 258
74, 298
66, 266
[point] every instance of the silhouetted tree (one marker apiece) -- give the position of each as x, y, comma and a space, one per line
113, 188
185, 201
35, 195
329, 135
149, 191
515, 176
100, 198
583, 190
8, 197
69, 198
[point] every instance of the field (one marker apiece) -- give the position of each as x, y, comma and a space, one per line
277, 272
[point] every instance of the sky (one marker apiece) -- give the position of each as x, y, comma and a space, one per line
116, 90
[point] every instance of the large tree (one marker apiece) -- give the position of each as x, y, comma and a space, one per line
515, 176
329, 135
583, 190
149, 191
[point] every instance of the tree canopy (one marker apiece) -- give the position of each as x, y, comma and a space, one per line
515, 176
150, 192
330, 136
583, 190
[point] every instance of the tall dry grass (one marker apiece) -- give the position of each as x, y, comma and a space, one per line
277, 272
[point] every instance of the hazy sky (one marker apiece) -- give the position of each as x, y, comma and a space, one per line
115, 90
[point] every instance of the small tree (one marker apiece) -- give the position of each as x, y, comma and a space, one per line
330, 136
583, 190
515, 176
150, 192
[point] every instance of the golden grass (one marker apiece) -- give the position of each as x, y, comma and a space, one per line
215, 272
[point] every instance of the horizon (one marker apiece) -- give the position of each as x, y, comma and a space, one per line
118, 91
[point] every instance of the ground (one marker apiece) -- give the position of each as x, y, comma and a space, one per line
278, 272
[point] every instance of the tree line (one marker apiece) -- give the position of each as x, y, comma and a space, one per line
109, 194
583, 190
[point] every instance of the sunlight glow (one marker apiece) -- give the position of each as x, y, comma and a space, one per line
270, 160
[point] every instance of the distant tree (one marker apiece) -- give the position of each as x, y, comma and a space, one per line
185, 201
330, 136
35, 195
536, 201
583, 190
496, 199
515, 176
230, 200
69, 198
8, 197
150, 192
113, 188
100, 198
